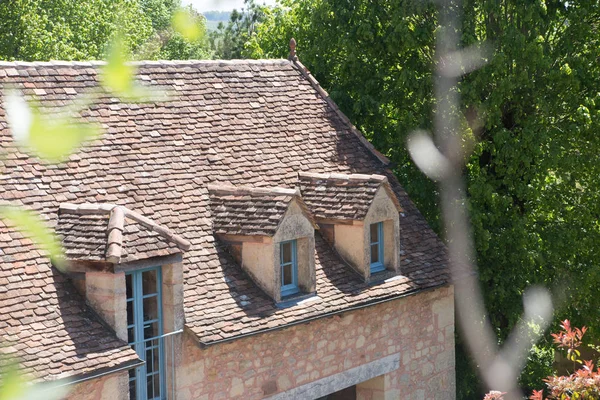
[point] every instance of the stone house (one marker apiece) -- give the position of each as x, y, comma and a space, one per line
239, 239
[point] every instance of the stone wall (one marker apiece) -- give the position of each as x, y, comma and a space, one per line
411, 339
110, 387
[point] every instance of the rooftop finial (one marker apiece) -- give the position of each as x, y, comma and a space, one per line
292, 56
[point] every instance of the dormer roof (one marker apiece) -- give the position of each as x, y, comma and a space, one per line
336, 196
248, 211
112, 233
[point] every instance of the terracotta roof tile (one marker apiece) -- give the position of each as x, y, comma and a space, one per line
342, 196
251, 211
83, 236
105, 232
235, 123
44, 322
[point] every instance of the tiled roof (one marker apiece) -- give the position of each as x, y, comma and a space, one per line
105, 232
342, 196
83, 236
240, 123
45, 324
251, 211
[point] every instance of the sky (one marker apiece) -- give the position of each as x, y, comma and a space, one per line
221, 5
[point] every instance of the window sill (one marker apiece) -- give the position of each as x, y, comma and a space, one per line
377, 268
291, 292
381, 276
297, 299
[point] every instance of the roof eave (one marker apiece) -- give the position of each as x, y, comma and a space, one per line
355, 307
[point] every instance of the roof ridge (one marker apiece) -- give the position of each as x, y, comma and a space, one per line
86, 208
114, 240
343, 177
116, 225
323, 93
155, 227
249, 190
93, 63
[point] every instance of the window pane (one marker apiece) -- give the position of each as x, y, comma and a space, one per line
130, 313
374, 253
153, 386
151, 330
157, 385
286, 253
149, 357
374, 233
150, 387
130, 335
149, 282
129, 286
132, 394
150, 308
152, 355
287, 274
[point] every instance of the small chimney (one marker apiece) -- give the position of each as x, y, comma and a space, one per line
292, 56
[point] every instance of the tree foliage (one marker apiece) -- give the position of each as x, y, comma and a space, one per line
229, 41
533, 177
34, 30
531, 116
39, 30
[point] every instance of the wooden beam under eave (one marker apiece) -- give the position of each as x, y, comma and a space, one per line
231, 239
133, 265
330, 221
79, 266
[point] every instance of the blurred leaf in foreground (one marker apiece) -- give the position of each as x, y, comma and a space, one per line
51, 137
188, 24
32, 226
118, 75
14, 387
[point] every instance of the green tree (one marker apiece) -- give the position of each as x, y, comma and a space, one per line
229, 41
160, 12
533, 176
167, 42
39, 30
533, 111
68, 30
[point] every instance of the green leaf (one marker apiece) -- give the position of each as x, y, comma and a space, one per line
187, 24
55, 138
50, 137
118, 76
32, 226
14, 387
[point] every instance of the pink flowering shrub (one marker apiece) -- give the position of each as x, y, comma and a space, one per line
582, 384
494, 395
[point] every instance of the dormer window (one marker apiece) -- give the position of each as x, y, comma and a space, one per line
130, 270
377, 246
271, 233
289, 268
358, 215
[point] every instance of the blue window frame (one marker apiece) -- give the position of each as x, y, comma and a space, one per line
288, 261
144, 333
376, 246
